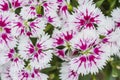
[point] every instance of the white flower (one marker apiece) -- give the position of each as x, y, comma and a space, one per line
106, 26
113, 41
91, 55
3, 52
5, 72
28, 12
28, 28
67, 73
116, 17
61, 42
6, 20
10, 56
38, 53
53, 18
33, 74
63, 8
86, 16
49, 5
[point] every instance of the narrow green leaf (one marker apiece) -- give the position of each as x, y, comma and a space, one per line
99, 3
60, 47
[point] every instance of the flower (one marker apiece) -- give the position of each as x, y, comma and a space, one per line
37, 52
6, 19
27, 73
110, 34
113, 41
12, 5
4, 72
92, 55
67, 74
106, 27
86, 16
13, 61
28, 12
28, 28
116, 17
53, 18
50, 13
30, 74
10, 56
63, 8
61, 42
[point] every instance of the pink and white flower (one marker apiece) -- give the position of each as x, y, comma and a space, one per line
12, 64
6, 20
38, 53
4, 72
11, 5
106, 27
63, 8
110, 34
28, 28
24, 74
86, 16
92, 56
50, 13
28, 12
67, 73
10, 56
61, 42
30, 74
116, 17
53, 18
28, 23
113, 41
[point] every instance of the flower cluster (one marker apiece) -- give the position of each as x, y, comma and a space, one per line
32, 31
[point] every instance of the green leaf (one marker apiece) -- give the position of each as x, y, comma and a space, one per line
115, 66
30, 20
101, 36
107, 71
39, 9
74, 3
85, 77
34, 40
18, 10
112, 4
99, 3
49, 29
70, 8
60, 47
